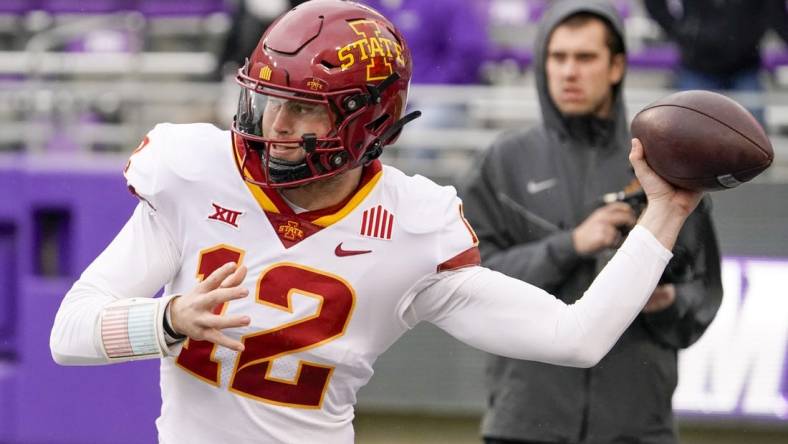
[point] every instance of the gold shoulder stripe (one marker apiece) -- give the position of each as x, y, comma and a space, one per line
265, 203
351, 205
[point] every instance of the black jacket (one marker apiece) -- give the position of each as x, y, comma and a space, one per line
532, 189
720, 37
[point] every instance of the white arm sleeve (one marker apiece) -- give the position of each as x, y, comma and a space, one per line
508, 317
113, 296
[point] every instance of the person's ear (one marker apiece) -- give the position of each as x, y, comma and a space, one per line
618, 65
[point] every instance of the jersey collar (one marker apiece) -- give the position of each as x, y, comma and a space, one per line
293, 228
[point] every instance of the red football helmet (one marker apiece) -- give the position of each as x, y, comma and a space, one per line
334, 59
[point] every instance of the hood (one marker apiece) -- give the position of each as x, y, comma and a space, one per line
550, 113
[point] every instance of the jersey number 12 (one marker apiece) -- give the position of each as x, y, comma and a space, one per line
251, 374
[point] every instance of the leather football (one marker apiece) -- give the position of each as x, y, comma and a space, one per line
701, 140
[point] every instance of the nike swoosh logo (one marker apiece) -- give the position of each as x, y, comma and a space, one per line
339, 251
537, 187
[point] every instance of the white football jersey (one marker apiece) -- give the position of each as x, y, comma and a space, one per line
328, 289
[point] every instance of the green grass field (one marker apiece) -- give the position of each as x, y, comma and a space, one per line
378, 428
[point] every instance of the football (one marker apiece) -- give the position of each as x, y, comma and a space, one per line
702, 140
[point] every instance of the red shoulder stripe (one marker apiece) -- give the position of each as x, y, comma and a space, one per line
467, 258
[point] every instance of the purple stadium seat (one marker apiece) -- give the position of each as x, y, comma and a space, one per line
655, 57
85, 6
181, 8
523, 57
536, 9
18, 7
623, 7
775, 59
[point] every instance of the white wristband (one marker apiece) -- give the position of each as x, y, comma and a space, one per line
132, 329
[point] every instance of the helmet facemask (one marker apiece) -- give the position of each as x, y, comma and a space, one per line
325, 154
268, 121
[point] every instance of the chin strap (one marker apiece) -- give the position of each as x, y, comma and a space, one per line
375, 149
280, 171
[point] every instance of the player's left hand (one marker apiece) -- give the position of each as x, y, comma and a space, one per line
658, 191
662, 298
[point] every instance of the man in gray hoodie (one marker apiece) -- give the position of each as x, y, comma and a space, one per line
537, 209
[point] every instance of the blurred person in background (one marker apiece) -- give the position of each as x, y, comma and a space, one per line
291, 258
448, 38
250, 18
449, 42
719, 42
536, 203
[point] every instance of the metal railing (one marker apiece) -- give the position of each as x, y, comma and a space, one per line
110, 116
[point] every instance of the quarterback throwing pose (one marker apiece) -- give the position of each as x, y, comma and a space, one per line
291, 258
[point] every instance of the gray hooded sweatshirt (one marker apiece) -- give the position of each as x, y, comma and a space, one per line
532, 188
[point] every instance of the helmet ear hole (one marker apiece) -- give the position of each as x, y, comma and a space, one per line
328, 65
374, 125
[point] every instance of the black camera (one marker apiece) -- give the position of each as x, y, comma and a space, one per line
635, 199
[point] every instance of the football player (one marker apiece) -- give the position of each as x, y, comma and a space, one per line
291, 258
